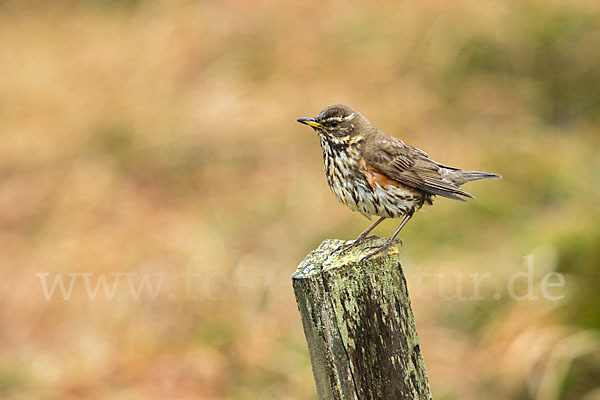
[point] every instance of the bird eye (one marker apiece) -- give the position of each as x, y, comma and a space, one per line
334, 123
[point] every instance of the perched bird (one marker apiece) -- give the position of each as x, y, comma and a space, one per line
377, 174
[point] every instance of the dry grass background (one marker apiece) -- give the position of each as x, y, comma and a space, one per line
159, 137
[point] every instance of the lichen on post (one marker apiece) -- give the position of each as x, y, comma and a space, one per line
359, 325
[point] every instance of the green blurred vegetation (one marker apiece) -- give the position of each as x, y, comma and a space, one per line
153, 137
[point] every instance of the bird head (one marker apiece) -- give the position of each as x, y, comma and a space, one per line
337, 122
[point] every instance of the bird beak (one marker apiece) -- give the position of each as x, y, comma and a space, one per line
310, 122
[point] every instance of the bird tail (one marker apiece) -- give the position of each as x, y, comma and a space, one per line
460, 177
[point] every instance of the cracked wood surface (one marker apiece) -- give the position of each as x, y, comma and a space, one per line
359, 326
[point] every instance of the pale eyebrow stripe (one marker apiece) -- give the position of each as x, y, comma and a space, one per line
340, 119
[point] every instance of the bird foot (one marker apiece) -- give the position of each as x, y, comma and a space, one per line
360, 240
383, 248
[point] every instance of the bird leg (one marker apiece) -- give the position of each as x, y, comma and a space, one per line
362, 238
389, 242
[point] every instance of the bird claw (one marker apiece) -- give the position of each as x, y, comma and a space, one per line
360, 240
383, 248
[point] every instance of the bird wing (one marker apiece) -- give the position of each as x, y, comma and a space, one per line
410, 166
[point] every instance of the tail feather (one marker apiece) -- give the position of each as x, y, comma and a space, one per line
460, 177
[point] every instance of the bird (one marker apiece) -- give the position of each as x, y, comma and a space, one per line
377, 174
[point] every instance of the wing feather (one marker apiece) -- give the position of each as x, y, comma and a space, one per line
410, 166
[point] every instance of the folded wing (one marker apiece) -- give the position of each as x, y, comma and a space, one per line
410, 166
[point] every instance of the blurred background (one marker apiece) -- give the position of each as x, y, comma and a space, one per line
150, 163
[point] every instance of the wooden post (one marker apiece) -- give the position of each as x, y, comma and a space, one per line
359, 326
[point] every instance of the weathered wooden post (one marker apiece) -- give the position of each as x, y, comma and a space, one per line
359, 326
